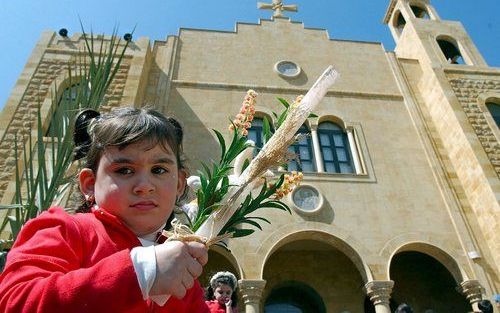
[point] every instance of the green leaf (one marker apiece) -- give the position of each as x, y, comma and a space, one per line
266, 129
284, 102
281, 119
245, 165
10, 206
311, 115
253, 223
260, 218
222, 144
242, 232
276, 204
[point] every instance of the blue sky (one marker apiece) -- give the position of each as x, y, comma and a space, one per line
22, 22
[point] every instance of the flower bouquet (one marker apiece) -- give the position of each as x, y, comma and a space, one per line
224, 201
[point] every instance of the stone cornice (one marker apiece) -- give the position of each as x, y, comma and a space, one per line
278, 89
454, 69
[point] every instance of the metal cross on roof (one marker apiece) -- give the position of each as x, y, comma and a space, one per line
277, 6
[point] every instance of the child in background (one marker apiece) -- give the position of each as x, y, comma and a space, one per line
105, 259
222, 295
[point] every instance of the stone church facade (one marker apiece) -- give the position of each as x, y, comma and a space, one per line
399, 201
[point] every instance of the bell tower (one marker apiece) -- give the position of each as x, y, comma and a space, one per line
421, 34
446, 77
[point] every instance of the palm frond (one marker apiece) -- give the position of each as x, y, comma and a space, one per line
46, 156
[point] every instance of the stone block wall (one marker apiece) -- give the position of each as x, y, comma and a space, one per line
468, 91
37, 90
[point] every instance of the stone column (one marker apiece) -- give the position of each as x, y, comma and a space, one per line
379, 292
318, 157
358, 169
472, 290
251, 292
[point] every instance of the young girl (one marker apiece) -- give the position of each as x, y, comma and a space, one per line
222, 295
105, 259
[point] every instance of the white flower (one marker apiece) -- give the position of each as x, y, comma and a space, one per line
191, 209
194, 182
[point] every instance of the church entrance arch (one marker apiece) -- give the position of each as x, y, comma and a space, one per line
324, 276
294, 297
219, 259
424, 283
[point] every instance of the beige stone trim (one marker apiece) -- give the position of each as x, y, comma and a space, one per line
278, 90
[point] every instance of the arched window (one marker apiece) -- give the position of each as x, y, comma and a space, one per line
399, 22
451, 52
334, 148
494, 109
303, 151
419, 12
69, 94
294, 297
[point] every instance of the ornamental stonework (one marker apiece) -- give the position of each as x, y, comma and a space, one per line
37, 90
468, 92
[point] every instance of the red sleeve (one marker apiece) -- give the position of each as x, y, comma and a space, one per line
44, 272
195, 300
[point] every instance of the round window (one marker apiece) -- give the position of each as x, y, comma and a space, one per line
287, 68
307, 198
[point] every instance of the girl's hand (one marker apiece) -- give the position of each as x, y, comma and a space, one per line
228, 303
178, 264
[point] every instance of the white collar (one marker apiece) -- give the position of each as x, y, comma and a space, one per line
149, 239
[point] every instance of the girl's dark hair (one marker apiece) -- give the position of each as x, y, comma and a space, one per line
485, 306
209, 292
404, 308
121, 127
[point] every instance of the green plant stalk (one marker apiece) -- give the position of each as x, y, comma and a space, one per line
40, 189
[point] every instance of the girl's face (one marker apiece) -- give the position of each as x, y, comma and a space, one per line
138, 184
223, 293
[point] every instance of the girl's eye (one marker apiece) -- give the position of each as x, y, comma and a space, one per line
124, 170
159, 170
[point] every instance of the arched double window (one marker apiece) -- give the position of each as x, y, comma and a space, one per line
334, 148
330, 153
303, 151
494, 109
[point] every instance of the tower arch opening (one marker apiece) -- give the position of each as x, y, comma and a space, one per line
399, 22
450, 51
420, 12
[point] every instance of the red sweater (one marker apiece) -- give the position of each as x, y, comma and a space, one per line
216, 307
79, 263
